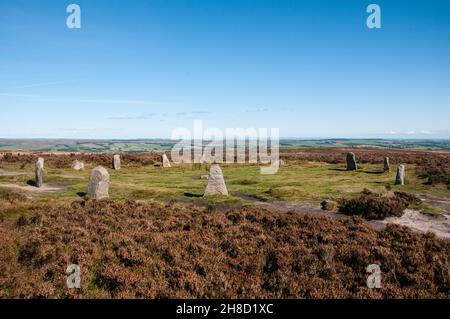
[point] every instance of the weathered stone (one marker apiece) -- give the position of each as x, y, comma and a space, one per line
278, 163
387, 166
116, 162
78, 166
39, 172
165, 161
216, 183
98, 187
400, 178
351, 162
329, 204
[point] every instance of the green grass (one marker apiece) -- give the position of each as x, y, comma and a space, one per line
428, 210
309, 182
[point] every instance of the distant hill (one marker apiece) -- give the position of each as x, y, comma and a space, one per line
147, 145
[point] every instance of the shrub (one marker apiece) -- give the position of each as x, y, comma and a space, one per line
409, 199
374, 206
329, 205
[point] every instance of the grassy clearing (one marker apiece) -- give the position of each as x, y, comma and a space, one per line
309, 182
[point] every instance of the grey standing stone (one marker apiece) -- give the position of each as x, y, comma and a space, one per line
78, 166
165, 161
216, 183
387, 166
39, 172
98, 187
400, 178
116, 162
351, 162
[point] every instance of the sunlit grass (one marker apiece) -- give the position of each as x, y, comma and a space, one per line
308, 182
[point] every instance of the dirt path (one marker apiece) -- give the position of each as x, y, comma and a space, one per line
441, 203
412, 219
422, 223
10, 173
32, 189
285, 207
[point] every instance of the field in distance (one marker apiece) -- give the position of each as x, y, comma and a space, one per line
147, 145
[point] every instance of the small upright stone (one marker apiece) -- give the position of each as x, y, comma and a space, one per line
165, 161
351, 162
98, 187
387, 166
39, 172
116, 162
78, 166
216, 183
329, 204
400, 178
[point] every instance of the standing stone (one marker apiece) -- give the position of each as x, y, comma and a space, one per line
387, 167
351, 162
116, 162
216, 183
400, 179
98, 187
39, 172
280, 163
78, 166
165, 161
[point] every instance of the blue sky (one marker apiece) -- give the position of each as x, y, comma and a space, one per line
140, 69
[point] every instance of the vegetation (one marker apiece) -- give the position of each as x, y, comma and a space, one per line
148, 145
150, 250
157, 237
376, 206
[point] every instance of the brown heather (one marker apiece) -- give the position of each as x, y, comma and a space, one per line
65, 160
373, 206
136, 250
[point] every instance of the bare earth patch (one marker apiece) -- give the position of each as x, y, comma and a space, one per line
421, 223
33, 189
10, 173
441, 203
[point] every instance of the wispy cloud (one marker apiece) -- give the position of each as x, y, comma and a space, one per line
138, 117
41, 84
181, 114
73, 100
422, 132
162, 115
200, 112
258, 110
